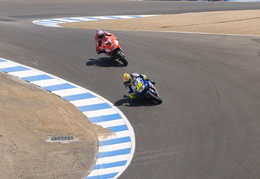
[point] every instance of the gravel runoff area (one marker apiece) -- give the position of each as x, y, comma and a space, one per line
30, 115
245, 22
31, 119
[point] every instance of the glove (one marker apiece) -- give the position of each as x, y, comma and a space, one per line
153, 82
100, 51
145, 77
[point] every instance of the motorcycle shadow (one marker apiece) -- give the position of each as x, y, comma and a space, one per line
126, 101
104, 62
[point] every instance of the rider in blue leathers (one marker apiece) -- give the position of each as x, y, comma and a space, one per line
129, 78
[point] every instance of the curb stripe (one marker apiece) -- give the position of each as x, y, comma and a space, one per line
59, 87
112, 147
111, 175
37, 78
103, 172
22, 74
94, 107
98, 112
115, 141
5, 64
78, 96
89, 101
110, 165
118, 128
55, 22
115, 151
14, 69
111, 123
105, 118
67, 92
47, 83
122, 134
110, 160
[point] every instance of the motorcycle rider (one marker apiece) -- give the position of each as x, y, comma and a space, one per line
129, 78
100, 34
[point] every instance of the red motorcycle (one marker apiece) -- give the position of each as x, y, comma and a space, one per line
113, 49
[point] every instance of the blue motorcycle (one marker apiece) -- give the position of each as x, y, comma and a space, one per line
146, 89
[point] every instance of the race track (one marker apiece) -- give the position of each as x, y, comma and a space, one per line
208, 124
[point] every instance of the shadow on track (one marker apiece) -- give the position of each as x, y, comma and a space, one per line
104, 62
126, 101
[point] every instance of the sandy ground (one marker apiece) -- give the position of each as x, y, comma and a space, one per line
222, 22
30, 115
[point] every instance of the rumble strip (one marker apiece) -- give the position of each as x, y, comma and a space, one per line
116, 152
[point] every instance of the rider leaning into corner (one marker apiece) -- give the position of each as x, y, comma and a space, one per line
100, 34
128, 80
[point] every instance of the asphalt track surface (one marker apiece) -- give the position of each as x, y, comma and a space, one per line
208, 124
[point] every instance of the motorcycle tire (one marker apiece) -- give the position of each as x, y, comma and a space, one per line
154, 98
121, 57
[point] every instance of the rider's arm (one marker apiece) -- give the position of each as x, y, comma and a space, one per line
109, 34
98, 45
144, 77
147, 79
131, 92
129, 89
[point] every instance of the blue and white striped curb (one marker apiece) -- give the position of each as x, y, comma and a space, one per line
55, 22
116, 152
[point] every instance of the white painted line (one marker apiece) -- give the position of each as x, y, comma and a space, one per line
100, 112
120, 146
49, 82
123, 134
112, 123
8, 64
112, 159
104, 171
22, 74
69, 92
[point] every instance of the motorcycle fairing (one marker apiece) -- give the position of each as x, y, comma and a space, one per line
141, 86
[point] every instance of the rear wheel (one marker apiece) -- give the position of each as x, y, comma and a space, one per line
154, 98
121, 57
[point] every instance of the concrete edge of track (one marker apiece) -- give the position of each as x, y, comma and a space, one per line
116, 152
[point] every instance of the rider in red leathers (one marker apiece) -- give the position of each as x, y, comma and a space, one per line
100, 34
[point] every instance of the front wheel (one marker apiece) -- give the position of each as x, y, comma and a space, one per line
154, 98
121, 57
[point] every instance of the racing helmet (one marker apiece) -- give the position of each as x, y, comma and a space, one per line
100, 33
126, 78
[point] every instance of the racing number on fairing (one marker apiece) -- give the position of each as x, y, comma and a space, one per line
138, 86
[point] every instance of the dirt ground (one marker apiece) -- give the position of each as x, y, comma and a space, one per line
245, 22
30, 116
